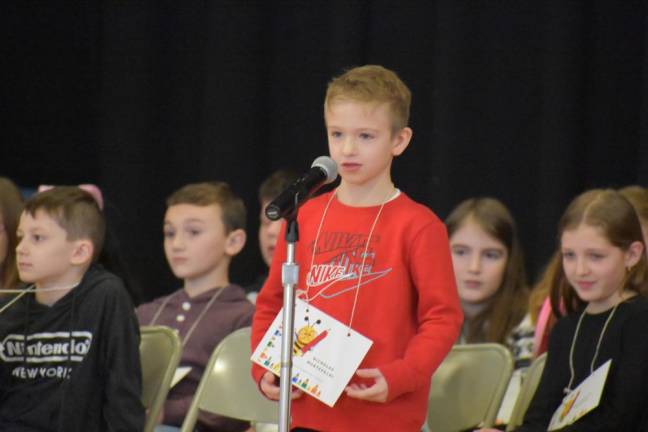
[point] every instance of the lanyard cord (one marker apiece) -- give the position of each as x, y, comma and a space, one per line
30, 289
598, 346
319, 230
33, 288
364, 257
185, 340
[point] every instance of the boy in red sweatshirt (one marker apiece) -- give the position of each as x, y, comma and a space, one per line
398, 287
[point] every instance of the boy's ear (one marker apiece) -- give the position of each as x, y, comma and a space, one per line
634, 253
235, 241
401, 141
82, 252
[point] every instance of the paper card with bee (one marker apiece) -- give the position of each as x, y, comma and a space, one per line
325, 353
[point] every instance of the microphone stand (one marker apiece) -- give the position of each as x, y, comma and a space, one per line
289, 279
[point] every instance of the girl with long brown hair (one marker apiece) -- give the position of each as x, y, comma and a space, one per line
490, 274
598, 286
540, 309
11, 205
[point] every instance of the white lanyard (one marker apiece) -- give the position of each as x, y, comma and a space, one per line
364, 255
568, 389
200, 316
31, 288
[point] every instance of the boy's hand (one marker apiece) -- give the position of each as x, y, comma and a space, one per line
376, 393
270, 388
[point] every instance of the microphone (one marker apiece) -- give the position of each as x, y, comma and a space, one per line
323, 171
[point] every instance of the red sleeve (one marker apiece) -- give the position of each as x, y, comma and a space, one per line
269, 301
438, 311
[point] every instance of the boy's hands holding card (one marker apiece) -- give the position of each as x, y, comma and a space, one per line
270, 388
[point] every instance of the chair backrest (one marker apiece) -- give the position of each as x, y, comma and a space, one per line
468, 387
530, 381
227, 388
160, 351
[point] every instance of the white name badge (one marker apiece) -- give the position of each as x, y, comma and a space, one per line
582, 399
325, 353
179, 374
510, 397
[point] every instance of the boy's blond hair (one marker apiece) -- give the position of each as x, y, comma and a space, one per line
372, 84
208, 193
74, 210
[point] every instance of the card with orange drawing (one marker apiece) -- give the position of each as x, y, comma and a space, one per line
326, 353
582, 399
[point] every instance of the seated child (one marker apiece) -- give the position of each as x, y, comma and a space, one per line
539, 305
491, 279
600, 284
11, 205
268, 229
70, 342
204, 228
110, 256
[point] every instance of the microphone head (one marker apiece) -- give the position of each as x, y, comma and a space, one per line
327, 165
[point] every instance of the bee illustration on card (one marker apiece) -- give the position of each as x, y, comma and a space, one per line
307, 337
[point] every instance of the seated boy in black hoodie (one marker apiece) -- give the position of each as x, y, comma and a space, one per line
69, 344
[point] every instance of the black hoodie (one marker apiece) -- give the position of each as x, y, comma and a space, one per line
82, 368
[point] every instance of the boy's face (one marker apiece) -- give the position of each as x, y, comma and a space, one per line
44, 255
268, 234
362, 141
195, 242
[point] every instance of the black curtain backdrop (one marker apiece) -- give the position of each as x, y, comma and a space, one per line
531, 102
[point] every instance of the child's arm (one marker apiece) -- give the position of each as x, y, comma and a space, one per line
122, 410
269, 302
438, 312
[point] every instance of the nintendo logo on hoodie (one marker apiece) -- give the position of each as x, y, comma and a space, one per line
46, 347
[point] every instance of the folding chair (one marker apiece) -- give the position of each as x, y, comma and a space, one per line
160, 351
468, 387
530, 382
227, 388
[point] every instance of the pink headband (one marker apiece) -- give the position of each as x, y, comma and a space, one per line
90, 188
